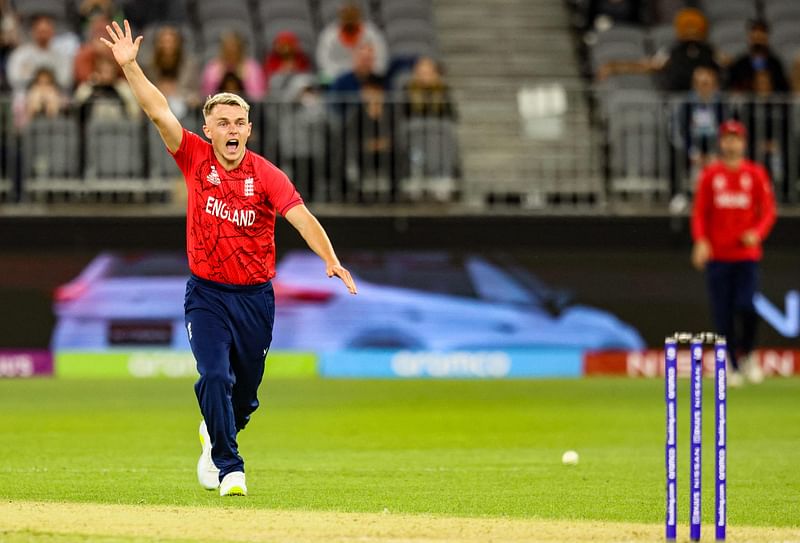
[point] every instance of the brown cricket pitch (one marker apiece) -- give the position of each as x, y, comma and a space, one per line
61, 522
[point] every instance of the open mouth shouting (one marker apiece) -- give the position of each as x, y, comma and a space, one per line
232, 146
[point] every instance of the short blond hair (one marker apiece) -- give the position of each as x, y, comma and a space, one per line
224, 99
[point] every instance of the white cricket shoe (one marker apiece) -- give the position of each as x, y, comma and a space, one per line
233, 484
207, 472
752, 370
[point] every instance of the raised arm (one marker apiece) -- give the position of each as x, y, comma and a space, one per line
149, 97
316, 238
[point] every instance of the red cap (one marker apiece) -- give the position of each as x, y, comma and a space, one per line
732, 127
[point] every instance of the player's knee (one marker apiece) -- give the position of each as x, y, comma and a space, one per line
217, 376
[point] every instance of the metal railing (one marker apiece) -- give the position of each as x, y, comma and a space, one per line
657, 144
610, 151
335, 152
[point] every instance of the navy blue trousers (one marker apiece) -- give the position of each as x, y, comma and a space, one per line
731, 287
230, 330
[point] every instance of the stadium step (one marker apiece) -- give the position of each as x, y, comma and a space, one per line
491, 49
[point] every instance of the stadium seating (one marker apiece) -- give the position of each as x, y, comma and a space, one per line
68, 154
114, 150
329, 10
730, 36
301, 27
432, 154
57, 9
726, 10
50, 155
405, 9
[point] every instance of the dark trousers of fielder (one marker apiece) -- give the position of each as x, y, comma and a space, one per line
230, 330
731, 287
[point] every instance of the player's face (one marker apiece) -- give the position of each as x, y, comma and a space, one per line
228, 128
732, 146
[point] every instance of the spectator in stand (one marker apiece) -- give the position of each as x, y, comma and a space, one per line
339, 40
759, 58
302, 134
173, 70
43, 99
286, 58
40, 52
232, 58
795, 75
691, 51
768, 118
676, 67
426, 94
696, 124
91, 48
9, 39
106, 95
142, 13
370, 129
364, 68
89, 9
231, 83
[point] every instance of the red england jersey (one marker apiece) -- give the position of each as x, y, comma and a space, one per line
230, 216
730, 202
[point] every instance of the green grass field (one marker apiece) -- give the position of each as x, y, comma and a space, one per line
452, 448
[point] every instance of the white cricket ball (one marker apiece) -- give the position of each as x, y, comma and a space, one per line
569, 458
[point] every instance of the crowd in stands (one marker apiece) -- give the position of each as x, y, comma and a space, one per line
377, 58
712, 60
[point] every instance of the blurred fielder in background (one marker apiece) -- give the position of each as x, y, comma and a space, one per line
233, 196
734, 210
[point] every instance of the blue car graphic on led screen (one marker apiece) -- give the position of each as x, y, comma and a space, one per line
426, 301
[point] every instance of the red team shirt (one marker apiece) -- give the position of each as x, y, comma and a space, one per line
230, 219
730, 202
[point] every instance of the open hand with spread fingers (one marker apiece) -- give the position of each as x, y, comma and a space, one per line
122, 44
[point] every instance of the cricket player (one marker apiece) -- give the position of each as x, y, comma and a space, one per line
233, 196
734, 210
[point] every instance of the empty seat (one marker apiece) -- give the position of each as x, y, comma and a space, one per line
57, 9
213, 10
413, 48
50, 149
629, 82
784, 35
406, 9
616, 51
722, 10
730, 37
161, 164
782, 11
406, 30
638, 142
283, 9
114, 149
431, 147
662, 38
623, 33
